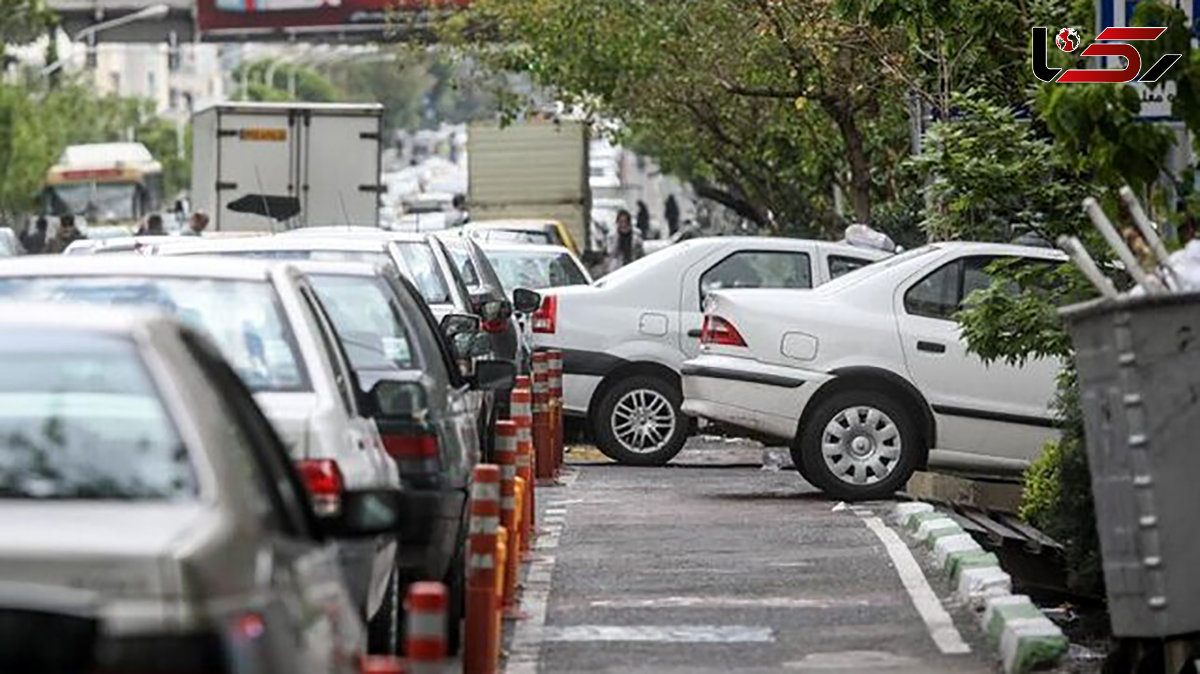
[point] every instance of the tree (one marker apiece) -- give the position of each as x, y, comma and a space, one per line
769, 107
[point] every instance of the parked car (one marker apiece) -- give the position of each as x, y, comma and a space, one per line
421, 258
625, 337
549, 232
270, 326
536, 267
140, 479
434, 431
868, 377
144, 245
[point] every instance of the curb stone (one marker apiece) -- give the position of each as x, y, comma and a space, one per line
903, 511
1004, 614
976, 586
914, 521
1031, 643
946, 545
942, 524
957, 561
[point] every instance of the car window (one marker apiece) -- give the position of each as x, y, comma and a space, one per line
337, 358
422, 269
367, 321
244, 318
844, 264
261, 451
535, 270
466, 266
936, 295
80, 418
758, 269
975, 276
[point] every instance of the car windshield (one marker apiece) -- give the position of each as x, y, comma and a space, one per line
367, 321
519, 236
422, 269
633, 269
851, 278
368, 256
98, 201
244, 318
535, 269
80, 419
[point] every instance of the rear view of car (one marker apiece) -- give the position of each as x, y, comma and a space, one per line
137, 472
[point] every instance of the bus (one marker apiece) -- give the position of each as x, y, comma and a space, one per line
108, 184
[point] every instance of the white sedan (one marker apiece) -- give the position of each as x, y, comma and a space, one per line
625, 336
868, 377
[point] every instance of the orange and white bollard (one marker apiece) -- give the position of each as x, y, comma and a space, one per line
506, 458
555, 363
425, 644
521, 409
543, 452
480, 640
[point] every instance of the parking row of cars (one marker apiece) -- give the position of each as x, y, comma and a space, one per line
240, 450
847, 354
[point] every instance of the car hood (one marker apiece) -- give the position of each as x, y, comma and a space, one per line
291, 415
116, 549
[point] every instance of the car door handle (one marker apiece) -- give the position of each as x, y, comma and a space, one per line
695, 333
931, 347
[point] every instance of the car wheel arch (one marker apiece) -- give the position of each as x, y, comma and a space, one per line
882, 381
632, 369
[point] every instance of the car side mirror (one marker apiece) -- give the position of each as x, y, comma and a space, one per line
456, 324
365, 514
526, 301
495, 375
398, 400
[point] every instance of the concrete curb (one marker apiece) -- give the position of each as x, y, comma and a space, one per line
1026, 639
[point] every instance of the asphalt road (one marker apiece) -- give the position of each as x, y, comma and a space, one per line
715, 565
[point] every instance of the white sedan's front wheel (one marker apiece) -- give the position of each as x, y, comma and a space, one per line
638, 421
859, 445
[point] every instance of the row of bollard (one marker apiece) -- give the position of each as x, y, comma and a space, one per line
529, 453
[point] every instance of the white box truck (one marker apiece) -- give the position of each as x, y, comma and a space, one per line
534, 169
325, 155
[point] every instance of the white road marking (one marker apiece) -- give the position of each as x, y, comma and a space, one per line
937, 621
525, 647
736, 602
691, 634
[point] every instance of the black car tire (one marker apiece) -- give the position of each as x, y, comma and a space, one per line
657, 397
852, 409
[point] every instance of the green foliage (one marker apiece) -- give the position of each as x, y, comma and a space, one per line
289, 82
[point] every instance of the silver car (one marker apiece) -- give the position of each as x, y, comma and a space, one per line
139, 479
270, 326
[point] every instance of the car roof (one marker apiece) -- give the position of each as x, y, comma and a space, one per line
81, 317
339, 268
137, 265
528, 225
505, 247
351, 232
279, 243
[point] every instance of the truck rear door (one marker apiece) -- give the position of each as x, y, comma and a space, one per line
256, 155
341, 170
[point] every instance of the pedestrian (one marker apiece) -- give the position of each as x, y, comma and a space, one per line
153, 226
67, 234
197, 223
625, 245
33, 239
643, 219
671, 214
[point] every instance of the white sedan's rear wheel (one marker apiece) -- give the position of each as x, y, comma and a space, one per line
638, 421
859, 445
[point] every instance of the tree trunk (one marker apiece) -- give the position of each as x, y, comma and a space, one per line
733, 202
860, 169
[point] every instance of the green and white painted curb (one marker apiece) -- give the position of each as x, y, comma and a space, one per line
1026, 638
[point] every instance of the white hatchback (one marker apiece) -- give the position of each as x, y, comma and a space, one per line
868, 377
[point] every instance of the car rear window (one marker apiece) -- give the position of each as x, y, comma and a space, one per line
244, 318
535, 270
81, 419
367, 321
422, 269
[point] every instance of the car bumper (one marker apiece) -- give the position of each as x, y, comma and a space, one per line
746, 393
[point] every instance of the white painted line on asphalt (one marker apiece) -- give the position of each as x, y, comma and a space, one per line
525, 646
687, 634
937, 621
737, 602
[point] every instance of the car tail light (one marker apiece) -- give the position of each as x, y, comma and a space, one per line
407, 446
545, 319
493, 327
323, 479
717, 330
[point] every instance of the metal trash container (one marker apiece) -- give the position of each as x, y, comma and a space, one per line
1139, 378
